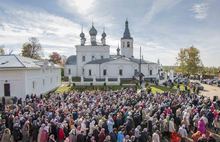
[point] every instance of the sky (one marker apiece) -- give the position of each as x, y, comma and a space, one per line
160, 27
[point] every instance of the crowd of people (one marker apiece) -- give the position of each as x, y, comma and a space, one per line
111, 116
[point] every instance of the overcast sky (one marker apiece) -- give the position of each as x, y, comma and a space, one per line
160, 27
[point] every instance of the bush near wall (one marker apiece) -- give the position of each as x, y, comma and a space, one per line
65, 78
76, 79
92, 88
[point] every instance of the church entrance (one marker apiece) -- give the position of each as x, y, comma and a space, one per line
7, 90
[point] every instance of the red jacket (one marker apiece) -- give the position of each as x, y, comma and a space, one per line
61, 134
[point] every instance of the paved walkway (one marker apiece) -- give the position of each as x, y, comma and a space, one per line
211, 91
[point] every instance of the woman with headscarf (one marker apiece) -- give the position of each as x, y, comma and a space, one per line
110, 124
26, 132
102, 135
201, 126
73, 136
6, 137
61, 134
43, 134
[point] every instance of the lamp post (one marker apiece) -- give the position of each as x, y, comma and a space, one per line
140, 76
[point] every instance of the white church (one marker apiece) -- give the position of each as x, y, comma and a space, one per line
94, 60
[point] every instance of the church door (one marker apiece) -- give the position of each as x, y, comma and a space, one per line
7, 89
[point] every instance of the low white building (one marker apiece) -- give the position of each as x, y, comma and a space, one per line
93, 61
20, 76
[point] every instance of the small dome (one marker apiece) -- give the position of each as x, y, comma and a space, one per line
103, 34
82, 35
93, 31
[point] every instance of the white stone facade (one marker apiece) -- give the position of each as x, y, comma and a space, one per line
94, 60
25, 80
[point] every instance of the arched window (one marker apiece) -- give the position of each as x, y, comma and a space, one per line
128, 44
69, 71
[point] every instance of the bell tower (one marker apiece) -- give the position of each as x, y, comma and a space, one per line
127, 43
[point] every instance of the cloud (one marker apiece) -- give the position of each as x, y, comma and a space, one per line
159, 6
18, 24
200, 10
77, 6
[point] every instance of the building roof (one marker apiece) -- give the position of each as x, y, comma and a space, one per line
115, 57
126, 32
71, 60
101, 61
15, 61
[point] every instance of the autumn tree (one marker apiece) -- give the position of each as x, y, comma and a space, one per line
189, 61
55, 58
32, 48
2, 51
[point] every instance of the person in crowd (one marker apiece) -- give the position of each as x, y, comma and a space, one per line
6, 137
102, 116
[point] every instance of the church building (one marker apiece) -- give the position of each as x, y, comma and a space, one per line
94, 60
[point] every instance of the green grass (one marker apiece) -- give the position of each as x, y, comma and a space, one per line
155, 90
63, 89
161, 89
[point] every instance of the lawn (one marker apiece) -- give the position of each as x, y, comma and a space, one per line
160, 89
63, 88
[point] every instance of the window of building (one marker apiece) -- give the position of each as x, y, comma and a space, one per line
69, 71
135, 71
43, 82
90, 72
93, 57
83, 58
150, 72
33, 85
120, 72
104, 72
123, 44
102, 57
7, 89
128, 44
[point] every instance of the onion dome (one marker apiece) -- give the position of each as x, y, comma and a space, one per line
93, 31
82, 35
103, 34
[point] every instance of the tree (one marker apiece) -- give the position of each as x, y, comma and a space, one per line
189, 61
2, 51
55, 58
31, 48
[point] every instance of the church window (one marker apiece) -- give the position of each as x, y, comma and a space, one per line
69, 71
123, 44
120, 72
33, 85
104, 72
102, 57
83, 58
135, 71
90, 72
93, 57
128, 44
150, 72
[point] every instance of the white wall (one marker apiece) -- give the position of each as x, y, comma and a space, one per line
88, 51
73, 70
113, 68
127, 51
16, 79
44, 80
21, 81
